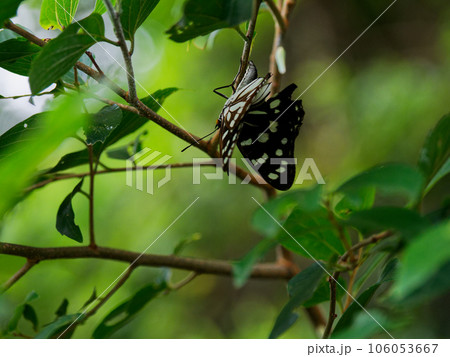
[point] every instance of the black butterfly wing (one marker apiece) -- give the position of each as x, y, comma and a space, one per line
267, 137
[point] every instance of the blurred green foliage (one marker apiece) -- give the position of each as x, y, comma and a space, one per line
374, 106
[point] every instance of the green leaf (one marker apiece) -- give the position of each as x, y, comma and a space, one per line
57, 327
243, 268
303, 286
19, 134
102, 124
437, 284
65, 218
402, 220
422, 258
361, 199
30, 314
434, 157
22, 158
8, 9
364, 299
6, 35
57, 13
16, 55
126, 311
129, 124
62, 309
120, 153
201, 17
280, 208
134, 13
100, 7
311, 234
363, 326
19, 312
389, 179
185, 242
61, 53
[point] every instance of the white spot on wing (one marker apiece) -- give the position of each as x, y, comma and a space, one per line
247, 142
279, 152
273, 176
274, 103
284, 141
273, 126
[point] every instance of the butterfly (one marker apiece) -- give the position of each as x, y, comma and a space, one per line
264, 130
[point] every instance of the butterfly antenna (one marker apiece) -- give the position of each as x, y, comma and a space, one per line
187, 147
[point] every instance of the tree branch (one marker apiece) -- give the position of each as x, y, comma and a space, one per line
91, 198
371, 240
277, 15
332, 314
115, 17
20, 273
201, 266
247, 44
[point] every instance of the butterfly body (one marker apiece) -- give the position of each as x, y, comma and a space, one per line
264, 131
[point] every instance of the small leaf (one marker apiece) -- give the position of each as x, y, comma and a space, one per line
65, 219
57, 13
134, 13
16, 55
185, 242
434, 157
102, 124
280, 208
120, 153
303, 286
403, 220
8, 10
57, 327
124, 313
390, 179
243, 268
62, 309
60, 54
311, 234
19, 311
30, 315
422, 258
201, 17
91, 299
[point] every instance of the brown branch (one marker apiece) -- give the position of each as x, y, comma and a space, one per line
371, 240
146, 112
20, 273
284, 10
118, 30
277, 15
91, 198
83, 317
184, 281
247, 44
201, 266
332, 313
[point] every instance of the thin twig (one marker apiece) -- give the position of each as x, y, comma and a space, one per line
371, 240
277, 15
27, 95
115, 16
284, 10
101, 302
91, 198
20, 273
247, 44
351, 282
117, 169
94, 62
201, 266
185, 281
332, 313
